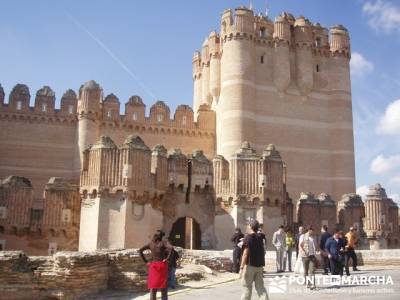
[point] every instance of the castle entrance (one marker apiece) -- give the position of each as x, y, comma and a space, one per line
186, 233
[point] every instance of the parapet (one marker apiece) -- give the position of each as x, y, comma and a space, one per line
17, 182
244, 23
105, 110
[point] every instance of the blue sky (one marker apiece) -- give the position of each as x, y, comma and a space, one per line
131, 47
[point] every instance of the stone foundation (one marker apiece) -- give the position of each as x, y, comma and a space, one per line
76, 275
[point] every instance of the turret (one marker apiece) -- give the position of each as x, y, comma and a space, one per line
184, 116
340, 40
244, 20
135, 109
1, 96
111, 108
19, 98
159, 167
137, 162
281, 62
215, 66
89, 105
321, 37
303, 33
197, 89
45, 100
69, 102
205, 73
236, 104
159, 113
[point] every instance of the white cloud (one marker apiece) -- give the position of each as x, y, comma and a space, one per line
395, 198
395, 179
382, 164
390, 121
362, 191
359, 65
383, 15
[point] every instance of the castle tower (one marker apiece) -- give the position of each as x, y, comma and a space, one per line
285, 82
197, 89
235, 109
89, 112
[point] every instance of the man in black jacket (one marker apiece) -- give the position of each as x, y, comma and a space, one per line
237, 251
325, 235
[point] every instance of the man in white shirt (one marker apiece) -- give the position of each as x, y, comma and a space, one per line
307, 245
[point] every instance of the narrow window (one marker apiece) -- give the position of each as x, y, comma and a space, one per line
184, 120
19, 105
262, 32
262, 59
109, 114
134, 116
318, 43
159, 118
317, 68
44, 107
71, 109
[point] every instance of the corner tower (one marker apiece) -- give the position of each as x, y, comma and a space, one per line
285, 82
89, 113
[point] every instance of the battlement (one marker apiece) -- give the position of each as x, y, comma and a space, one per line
136, 169
248, 174
105, 110
243, 23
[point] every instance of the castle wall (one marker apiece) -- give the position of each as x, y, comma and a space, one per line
37, 147
186, 140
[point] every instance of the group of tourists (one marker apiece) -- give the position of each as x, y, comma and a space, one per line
336, 250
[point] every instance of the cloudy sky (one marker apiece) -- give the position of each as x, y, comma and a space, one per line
146, 47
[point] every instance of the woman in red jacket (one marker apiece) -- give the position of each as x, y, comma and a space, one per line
158, 267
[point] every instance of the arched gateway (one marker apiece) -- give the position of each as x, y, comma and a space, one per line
186, 233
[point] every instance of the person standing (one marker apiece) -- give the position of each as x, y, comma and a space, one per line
343, 253
279, 242
332, 247
297, 238
352, 241
325, 235
237, 251
172, 264
252, 264
290, 243
158, 267
307, 244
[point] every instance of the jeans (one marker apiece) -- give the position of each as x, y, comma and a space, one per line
309, 269
171, 278
280, 257
288, 258
237, 253
350, 255
325, 262
336, 266
253, 274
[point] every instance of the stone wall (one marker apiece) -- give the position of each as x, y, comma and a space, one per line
75, 275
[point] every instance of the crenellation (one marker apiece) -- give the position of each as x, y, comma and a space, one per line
111, 108
45, 101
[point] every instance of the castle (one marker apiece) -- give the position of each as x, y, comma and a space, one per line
271, 121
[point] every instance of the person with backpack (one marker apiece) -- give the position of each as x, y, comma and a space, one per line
237, 251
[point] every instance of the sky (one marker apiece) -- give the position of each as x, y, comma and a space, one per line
145, 48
